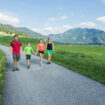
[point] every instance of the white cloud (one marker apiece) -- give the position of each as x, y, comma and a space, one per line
52, 19
87, 25
4, 19
48, 28
46, 24
64, 17
52, 30
44, 31
101, 19
67, 26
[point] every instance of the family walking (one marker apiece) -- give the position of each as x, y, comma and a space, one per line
17, 51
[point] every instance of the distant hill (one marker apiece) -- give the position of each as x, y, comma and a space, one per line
80, 36
76, 36
24, 30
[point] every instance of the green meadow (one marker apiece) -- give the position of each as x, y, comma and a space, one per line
2, 73
86, 60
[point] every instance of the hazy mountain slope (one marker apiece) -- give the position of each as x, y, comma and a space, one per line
80, 36
21, 29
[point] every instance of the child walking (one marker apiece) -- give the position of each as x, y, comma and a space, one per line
29, 50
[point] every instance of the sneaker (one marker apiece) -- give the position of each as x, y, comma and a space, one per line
28, 67
48, 62
17, 68
41, 64
14, 69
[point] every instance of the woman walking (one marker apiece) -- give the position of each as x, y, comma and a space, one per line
50, 48
41, 49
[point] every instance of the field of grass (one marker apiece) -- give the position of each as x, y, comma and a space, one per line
2, 73
86, 60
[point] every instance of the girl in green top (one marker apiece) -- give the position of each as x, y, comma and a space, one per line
29, 50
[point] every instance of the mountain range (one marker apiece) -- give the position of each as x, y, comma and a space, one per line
80, 36
74, 36
24, 30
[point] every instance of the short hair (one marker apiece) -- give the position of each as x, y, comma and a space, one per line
48, 38
15, 36
28, 43
40, 40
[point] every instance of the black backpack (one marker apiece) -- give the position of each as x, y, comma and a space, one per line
14, 43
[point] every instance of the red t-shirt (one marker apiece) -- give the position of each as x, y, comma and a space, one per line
41, 47
16, 47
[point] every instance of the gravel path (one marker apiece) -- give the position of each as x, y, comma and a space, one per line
49, 85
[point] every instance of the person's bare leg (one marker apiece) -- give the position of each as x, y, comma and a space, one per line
42, 57
17, 63
14, 64
28, 62
49, 58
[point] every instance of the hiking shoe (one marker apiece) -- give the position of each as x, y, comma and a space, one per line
17, 68
48, 62
14, 69
41, 64
28, 67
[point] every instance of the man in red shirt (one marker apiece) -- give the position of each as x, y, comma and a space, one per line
16, 47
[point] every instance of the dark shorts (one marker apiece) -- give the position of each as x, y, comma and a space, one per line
28, 57
16, 57
42, 52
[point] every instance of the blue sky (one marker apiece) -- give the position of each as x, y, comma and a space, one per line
53, 16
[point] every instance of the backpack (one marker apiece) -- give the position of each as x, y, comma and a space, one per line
14, 43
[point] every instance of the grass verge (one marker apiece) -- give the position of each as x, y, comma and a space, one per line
2, 73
